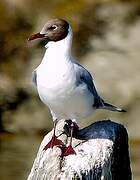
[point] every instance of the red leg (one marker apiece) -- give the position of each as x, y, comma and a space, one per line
54, 141
69, 150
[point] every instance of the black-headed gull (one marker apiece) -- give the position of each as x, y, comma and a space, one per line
65, 86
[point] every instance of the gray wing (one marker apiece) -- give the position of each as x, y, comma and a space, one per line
34, 77
83, 76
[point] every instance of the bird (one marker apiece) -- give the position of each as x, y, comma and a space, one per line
64, 85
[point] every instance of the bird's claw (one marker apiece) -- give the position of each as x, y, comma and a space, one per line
54, 142
68, 151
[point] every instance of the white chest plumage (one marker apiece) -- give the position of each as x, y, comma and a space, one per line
56, 79
56, 84
57, 89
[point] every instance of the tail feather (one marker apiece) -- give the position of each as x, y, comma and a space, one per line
112, 108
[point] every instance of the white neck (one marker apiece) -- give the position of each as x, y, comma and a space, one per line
60, 48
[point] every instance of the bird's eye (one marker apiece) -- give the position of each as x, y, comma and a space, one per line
53, 27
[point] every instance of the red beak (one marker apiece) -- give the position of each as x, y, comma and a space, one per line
36, 36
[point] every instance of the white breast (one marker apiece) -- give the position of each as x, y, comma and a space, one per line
58, 90
55, 79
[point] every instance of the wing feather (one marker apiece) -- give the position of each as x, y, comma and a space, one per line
83, 76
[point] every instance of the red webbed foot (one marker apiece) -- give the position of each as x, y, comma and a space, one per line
70, 128
68, 151
54, 142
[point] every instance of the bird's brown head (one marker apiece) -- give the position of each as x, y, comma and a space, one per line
53, 30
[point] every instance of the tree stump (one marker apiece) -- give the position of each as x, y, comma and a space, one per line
102, 153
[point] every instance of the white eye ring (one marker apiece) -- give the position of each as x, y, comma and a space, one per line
54, 27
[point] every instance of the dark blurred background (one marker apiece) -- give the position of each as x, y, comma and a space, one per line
106, 41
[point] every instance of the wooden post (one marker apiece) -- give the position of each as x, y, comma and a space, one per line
102, 153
